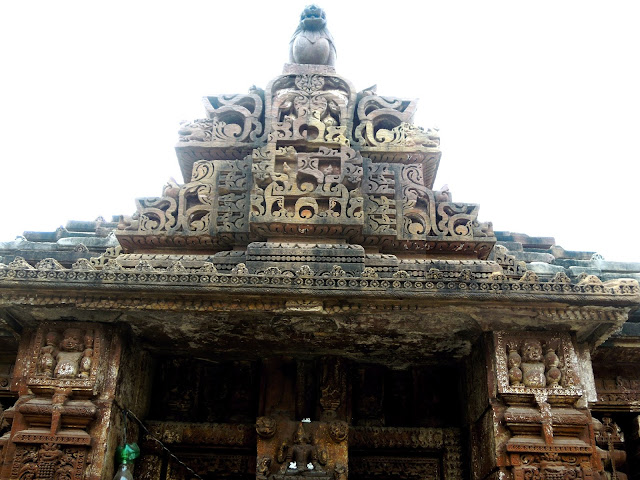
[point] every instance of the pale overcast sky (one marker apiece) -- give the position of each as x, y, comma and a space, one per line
538, 103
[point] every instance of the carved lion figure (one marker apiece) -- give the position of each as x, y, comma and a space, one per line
266, 426
312, 43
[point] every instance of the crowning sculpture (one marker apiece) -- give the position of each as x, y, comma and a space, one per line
313, 308
312, 43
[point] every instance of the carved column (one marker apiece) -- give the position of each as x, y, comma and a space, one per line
69, 377
529, 419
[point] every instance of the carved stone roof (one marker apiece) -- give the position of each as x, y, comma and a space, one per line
308, 208
308, 159
441, 304
68, 244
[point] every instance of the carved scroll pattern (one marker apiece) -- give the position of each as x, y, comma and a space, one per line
551, 466
302, 178
394, 189
386, 121
310, 107
380, 203
231, 118
307, 187
215, 201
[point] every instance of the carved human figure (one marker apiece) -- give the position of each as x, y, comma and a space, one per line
552, 364
301, 454
70, 354
533, 371
87, 356
48, 354
514, 361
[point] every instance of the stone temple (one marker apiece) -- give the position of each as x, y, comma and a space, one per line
305, 305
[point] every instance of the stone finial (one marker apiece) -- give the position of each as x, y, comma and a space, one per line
312, 43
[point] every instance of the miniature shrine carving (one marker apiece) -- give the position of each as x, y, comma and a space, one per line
301, 455
305, 448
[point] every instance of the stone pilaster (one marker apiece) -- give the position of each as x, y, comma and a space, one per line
533, 422
70, 378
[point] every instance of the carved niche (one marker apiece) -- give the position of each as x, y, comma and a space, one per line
65, 356
535, 364
304, 449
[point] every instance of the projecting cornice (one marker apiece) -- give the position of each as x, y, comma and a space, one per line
461, 284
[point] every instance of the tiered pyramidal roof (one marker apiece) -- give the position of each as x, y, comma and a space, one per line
308, 159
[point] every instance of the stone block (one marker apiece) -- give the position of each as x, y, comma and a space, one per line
319, 257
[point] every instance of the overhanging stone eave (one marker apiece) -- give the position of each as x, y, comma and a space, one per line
443, 321
620, 293
593, 317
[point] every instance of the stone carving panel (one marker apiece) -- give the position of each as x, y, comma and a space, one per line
551, 466
619, 393
48, 461
65, 355
302, 449
428, 453
235, 118
537, 364
398, 467
308, 190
